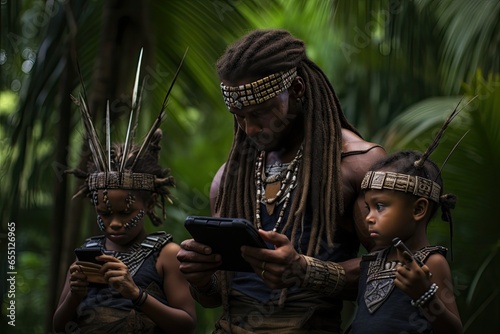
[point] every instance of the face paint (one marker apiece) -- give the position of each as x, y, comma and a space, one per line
95, 198
134, 221
106, 200
129, 200
100, 223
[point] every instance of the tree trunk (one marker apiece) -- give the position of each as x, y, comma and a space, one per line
125, 31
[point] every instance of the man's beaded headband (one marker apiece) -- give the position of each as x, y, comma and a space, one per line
416, 185
258, 91
117, 180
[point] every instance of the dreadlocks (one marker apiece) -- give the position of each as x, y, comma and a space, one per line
261, 53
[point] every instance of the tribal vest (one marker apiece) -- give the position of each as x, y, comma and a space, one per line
383, 308
105, 310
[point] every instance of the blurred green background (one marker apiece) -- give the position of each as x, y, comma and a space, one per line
398, 67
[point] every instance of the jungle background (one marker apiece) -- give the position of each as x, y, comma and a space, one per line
398, 67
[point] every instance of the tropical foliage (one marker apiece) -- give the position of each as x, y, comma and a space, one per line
399, 67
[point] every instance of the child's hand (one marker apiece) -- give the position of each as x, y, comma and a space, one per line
118, 277
77, 281
410, 277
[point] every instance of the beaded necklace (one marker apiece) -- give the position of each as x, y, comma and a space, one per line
287, 181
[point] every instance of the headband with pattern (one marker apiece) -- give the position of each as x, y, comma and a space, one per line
258, 91
416, 185
117, 180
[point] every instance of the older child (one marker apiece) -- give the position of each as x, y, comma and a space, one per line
136, 287
396, 295
143, 290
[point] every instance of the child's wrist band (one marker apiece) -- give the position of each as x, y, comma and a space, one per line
426, 296
141, 299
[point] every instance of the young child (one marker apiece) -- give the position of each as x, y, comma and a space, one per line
137, 286
143, 290
397, 295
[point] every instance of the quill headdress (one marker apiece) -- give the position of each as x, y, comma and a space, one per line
119, 173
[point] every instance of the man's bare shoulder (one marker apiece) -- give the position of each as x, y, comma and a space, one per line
353, 144
358, 154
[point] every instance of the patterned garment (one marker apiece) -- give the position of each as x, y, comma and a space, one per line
383, 308
303, 313
104, 310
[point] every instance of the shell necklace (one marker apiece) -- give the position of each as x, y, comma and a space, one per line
275, 188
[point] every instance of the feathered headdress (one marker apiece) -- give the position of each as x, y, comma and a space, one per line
115, 165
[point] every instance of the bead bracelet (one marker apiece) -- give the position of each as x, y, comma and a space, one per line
425, 297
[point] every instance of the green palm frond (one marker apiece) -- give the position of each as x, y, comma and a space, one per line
471, 39
31, 129
471, 173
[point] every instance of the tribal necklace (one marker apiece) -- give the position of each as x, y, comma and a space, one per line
275, 188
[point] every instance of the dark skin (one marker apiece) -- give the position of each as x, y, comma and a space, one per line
396, 214
177, 317
277, 126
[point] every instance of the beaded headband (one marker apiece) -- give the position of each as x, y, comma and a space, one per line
258, 91
416, 185
117, 180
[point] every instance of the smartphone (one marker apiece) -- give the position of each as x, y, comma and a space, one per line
399, 244
225, 236
89, 254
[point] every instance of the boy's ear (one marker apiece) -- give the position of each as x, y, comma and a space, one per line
420, 208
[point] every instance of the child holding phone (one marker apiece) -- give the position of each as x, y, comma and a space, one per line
138, 288
405, 290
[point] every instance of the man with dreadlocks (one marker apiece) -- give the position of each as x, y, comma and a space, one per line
295, 170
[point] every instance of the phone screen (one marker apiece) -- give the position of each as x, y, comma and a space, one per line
89, 254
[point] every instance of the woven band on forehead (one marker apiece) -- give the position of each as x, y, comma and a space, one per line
416, 185
258, 91
117, 180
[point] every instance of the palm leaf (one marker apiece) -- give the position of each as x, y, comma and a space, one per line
471, 174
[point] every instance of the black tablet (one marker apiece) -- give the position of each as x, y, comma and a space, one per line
225, 236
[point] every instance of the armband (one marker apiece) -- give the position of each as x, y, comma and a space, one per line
323, 276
